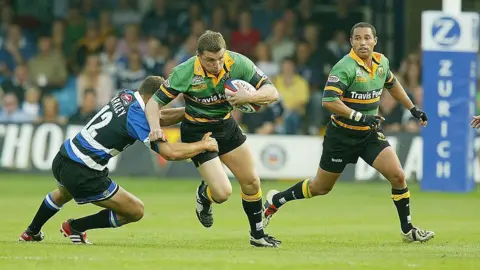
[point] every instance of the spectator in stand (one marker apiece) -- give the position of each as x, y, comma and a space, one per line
11, 113
91, 43
92, 77
125, 14
50, 112
160, 22
307, 67
280, 44
187, 50
263, 60
87, 110
31, 105
185, 19
48, 69
339, 46
75, 29
132, 42
156, 57
219, 23
264, 15
133, 75
15, 49
245, 38
106, 25
110, 59
59, 41
294, 91
18, 84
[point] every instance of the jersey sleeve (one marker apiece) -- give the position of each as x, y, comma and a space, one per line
169, 90
337, 83
252, 74
390, 79
138, 128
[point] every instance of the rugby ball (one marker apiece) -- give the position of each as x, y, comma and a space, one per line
232, 86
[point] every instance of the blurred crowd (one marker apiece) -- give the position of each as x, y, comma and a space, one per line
62, 60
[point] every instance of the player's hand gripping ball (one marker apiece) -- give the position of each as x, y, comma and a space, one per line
238, 93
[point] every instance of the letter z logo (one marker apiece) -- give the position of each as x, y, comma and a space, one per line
446, 31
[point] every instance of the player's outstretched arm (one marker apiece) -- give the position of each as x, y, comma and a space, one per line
401, 96
180, 151
152, 111
171, 116
266, 94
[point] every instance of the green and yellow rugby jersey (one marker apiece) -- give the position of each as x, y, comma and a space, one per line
358, 86
204, 93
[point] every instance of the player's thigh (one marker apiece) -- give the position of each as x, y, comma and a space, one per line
125, 204
388, 164
214, 175
191, 133
240, 162
379, 154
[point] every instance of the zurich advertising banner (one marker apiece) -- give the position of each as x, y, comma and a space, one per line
450, 47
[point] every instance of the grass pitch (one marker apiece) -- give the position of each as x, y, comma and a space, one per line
354, 227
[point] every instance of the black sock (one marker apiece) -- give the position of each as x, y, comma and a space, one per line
47, 209
252, 205
401, 198
300, 190
103, 219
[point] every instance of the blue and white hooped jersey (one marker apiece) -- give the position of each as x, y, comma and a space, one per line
113, 129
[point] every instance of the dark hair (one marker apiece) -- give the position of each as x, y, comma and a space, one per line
150, 85
364, 25
210, 41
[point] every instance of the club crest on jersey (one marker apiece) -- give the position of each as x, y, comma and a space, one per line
198, 79
126, 98
381, 72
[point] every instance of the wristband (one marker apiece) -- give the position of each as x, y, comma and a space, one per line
356, 116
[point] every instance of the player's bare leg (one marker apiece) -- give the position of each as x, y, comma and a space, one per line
240, 162
388, 165
322, 184
216, 190
121, 208
52, 203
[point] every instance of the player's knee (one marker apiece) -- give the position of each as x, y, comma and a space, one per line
397, 178
250, 185
137, 212
222, 194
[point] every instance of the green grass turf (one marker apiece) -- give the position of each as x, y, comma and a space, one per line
354, 227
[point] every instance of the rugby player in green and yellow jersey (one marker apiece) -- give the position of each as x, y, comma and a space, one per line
201, 81
352, 93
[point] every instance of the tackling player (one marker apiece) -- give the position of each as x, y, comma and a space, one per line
352, 94
80, 165
201, 81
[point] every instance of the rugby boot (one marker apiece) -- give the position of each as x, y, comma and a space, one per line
203, 208
29, 236
268, 208
75, 236
417, 235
